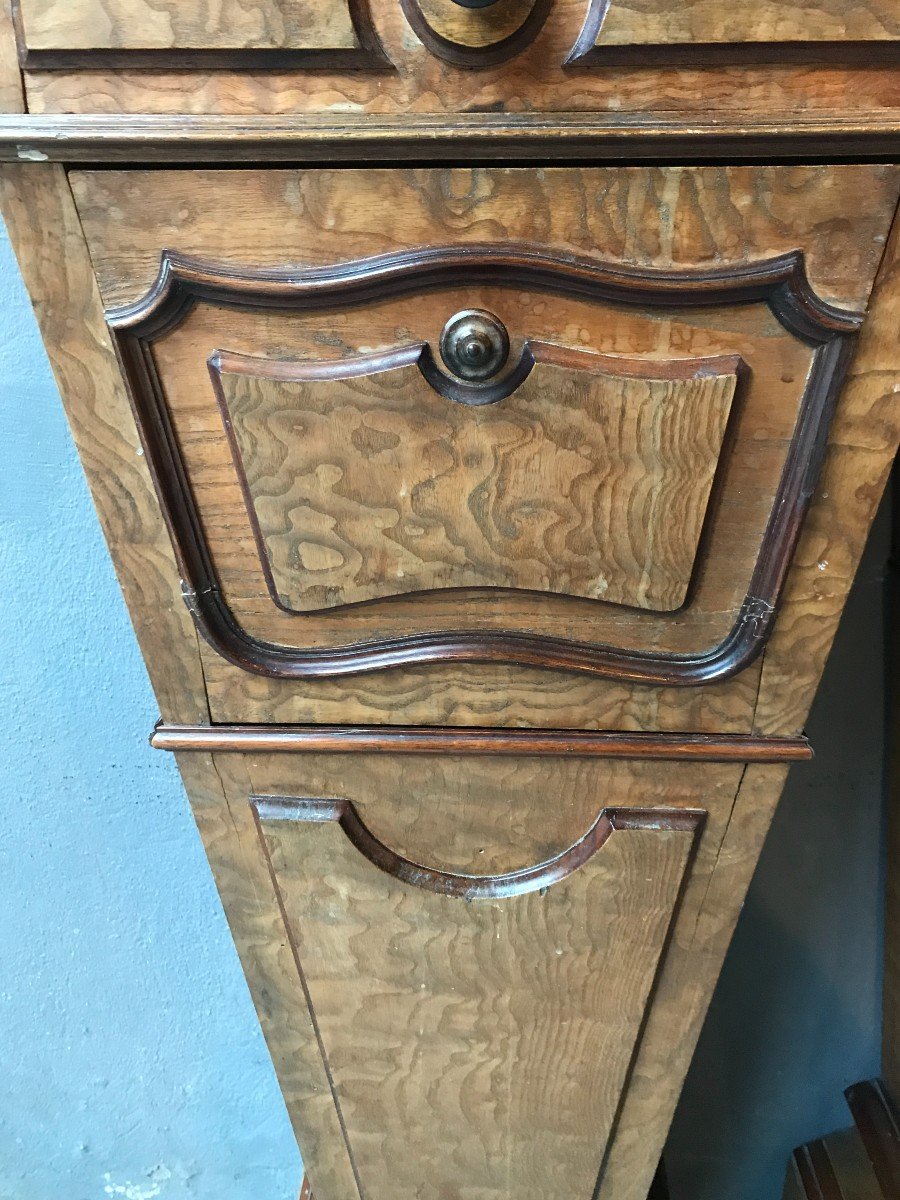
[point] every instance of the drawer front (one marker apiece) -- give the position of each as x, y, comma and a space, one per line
127, 26
618, 490
475, 940
441, 55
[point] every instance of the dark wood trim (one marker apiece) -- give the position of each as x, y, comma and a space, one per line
816, 1174
673, 137
368, 55
404, 739
590, 51
879, 1128
489, 55
419, 355
780, 282
305, 1190
475, 887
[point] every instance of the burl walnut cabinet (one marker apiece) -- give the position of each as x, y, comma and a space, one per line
485, 404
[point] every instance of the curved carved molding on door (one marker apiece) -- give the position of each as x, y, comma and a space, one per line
476, 37
469, 885
780, 283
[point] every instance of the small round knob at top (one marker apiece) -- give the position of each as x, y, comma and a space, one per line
474, 344
474, 3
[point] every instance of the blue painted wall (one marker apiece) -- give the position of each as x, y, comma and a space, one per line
131, 1064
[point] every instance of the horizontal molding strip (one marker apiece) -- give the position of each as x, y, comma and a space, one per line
363, 137
419, 739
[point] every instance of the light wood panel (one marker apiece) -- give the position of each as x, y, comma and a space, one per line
12, 99
863, 446
779, 208
654, 217
420, 79
592, 479
497, 1032
445, 810
698, 23
46, 235
186, 24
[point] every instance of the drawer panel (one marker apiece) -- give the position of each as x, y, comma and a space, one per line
592, 478
620, 495
127, 25
700, 26
478, 939
426, 56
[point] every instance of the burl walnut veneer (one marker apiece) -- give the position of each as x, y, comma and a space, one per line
485, 405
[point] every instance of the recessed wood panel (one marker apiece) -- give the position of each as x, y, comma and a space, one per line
187, 24
499, 1030
701, 24
591, 479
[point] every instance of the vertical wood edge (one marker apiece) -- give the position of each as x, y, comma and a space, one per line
701, 937
218, 791
12, 89
47, 238
844, 505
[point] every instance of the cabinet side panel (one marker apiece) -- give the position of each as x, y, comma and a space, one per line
862, 447
46, 235
700, 939
218, 790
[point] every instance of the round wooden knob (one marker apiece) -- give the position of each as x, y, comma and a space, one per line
474, 344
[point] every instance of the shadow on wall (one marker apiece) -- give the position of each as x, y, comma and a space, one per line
796, 1017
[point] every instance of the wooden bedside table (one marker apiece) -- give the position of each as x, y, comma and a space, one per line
486, 406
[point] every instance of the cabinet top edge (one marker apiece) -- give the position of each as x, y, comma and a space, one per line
355, 138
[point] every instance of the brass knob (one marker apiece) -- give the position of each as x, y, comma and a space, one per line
474, 344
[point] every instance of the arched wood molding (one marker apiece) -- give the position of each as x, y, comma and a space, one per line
367, 55
475, 887
487, 55
780, 282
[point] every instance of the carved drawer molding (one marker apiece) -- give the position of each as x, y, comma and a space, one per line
292, 521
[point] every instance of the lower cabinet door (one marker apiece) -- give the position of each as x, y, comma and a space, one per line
455, 958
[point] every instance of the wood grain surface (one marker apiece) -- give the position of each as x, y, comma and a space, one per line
452, 812
186, 24
499, 1031
218, 791
763, 76
654, 217
698, 23
862, 449
592, 479
46, 235
12, 96
800, 206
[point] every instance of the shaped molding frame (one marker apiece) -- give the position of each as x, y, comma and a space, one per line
367, 55
475, 887
486, 53
590, 50
779, 282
